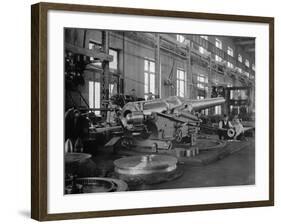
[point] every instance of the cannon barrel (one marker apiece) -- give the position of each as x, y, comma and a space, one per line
173, 102
206, 103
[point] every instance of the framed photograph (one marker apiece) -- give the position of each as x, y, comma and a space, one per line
139, 111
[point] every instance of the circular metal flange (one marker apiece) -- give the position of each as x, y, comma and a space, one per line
100, 184
231, 133
146, 164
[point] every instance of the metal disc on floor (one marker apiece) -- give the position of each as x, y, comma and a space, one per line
146, 169
99, 184
147, 164
75, 157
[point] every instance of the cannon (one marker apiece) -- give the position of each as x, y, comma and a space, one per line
173, 118
165, 121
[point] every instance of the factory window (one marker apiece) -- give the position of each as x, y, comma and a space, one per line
113, 65
253, 67
94, 95
230, 53
240, 59
229, 85
218, 45
112, 89
229, 64
180, 82
247, 63
218, 109
202, 50
149, 77
202, 82
180, 38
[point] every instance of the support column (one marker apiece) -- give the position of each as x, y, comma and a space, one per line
158, 65
209, 93
105, 73
189, 85
123, 82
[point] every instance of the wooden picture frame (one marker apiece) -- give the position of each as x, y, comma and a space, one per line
39, 109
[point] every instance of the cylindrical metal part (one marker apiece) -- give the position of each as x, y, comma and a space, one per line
231, 133
207, 103
145, 165
136, 117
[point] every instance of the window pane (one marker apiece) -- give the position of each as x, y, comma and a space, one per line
152, 66
218, 58
145, 89
230, 51
218, 44
146, 78
180, 38
178, 89
91, 94
247, 62
146, 65
240, 57
218, 110
97, 97
201, 50
182, 88
180, 74
112, 89
152, 83
113, 64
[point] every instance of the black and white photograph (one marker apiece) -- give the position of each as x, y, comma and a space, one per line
155, 111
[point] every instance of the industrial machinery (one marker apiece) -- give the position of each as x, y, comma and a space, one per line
172, 119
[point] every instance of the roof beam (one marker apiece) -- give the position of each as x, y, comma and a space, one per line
90, 53
245, 42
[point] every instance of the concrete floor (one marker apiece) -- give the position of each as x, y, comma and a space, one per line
235, 169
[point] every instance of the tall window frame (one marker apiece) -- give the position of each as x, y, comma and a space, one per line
240, 58
230, 53
149, 77
218, 44
94, 96
113, 65
202, 82
180, 38
180, 81
247, 63
202, 50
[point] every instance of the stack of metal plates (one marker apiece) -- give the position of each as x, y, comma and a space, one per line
99, 184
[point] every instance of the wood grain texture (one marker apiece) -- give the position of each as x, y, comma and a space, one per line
39, 206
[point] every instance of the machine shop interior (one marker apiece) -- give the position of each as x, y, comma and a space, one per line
151, 111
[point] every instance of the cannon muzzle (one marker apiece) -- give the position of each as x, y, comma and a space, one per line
206, 103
